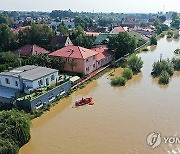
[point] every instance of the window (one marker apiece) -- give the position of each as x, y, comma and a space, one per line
51, 98
40, 82
87, 69
47, 81
16, 83
94, 65
67, 59
94, 57
87, 60
52, 77
7, 81
39, 104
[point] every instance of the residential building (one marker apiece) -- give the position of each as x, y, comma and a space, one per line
60, 41
77, 59
69, 24
92, 33
32, 83
21, 28
117, 30
29, 50
102, 39
131, 21
104, 56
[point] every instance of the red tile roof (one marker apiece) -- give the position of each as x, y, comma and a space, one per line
103, 52
29, 50
119, 29
74, 52
20, 28
92, 33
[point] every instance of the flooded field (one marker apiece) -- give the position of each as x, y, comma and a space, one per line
121, 118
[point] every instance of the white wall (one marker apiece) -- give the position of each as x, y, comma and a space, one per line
68, 42
35, 84
90, 63
11, 80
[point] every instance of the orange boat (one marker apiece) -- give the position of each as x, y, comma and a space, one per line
84, 101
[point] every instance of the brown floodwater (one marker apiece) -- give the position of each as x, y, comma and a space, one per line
121, 118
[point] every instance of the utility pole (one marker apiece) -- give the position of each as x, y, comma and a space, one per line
161, 57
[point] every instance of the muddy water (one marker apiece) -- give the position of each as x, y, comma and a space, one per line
121, 118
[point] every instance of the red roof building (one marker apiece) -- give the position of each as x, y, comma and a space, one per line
84, 59
20, 28
104, 56
117, 30
29, 50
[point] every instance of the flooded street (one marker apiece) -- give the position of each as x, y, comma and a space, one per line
121, 118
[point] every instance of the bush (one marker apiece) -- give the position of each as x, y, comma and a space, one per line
135, 63
127, 73
177, 51
118, 81
14, 130
162, 35
176, 63
164, 65
169, 36
170, 33
145, 49
164, 77
8, 147
153, 41
176, 36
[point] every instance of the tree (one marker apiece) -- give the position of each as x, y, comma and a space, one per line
127, 73
135, 63
122, 44
162, 18
153, 41
175, 20
164, 77
79, 38
7, 38
63, 30
4, 19
164, 65
143, 24
40, 35
14, 130
72, 64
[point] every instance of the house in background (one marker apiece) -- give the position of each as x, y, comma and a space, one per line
104, 56
131, 21
29, 50
21, 28
103, 39
69, 24
27, 86
77, 59
60, 41
117, 30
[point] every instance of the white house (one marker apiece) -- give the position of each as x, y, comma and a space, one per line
28, 78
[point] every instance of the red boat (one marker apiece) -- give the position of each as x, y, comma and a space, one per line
84, 101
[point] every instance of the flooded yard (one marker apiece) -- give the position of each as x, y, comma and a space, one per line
121, 118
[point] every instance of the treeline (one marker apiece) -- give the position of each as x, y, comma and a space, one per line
14, 131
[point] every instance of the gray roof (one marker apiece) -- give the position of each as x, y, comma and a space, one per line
30, 72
